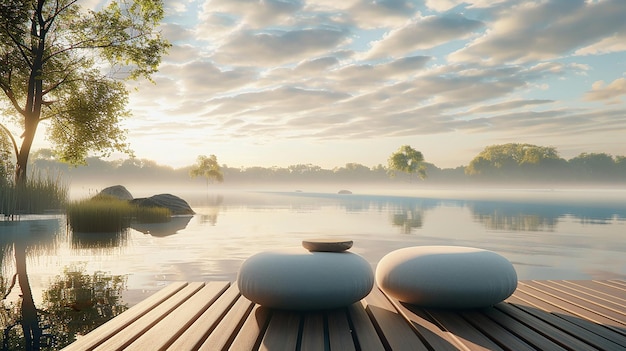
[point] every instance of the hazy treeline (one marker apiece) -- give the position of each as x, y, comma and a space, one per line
505, 163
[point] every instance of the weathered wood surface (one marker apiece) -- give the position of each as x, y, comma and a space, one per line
541, 315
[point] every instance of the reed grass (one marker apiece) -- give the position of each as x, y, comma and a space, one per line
99, 214
40, 193
102, 214
153, 214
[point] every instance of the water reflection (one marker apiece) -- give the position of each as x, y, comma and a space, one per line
408, 213
99, 240
537, 216
74, 303
176, 224
514, 217
408, 219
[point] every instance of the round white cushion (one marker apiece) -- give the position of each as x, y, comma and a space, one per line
446, 276
297, 279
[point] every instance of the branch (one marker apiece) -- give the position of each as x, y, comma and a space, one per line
9, 93
15, 148
21, 47
55, 85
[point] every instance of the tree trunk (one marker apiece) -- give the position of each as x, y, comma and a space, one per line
30, 321
24, 152
34, 96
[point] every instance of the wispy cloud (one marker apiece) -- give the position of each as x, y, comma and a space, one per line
324, 70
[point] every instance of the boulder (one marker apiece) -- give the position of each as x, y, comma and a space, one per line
174, 203
117, 191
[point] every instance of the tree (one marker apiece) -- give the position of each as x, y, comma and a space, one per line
207, 167
515, 160
67, 65
594, 166
407, 160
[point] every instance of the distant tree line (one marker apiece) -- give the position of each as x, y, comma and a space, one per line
497, 163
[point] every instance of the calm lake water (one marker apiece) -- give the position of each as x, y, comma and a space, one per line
546, 234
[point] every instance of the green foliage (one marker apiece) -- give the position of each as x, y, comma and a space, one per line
66, 64
514, 161
407, 160
106, 214
207, 167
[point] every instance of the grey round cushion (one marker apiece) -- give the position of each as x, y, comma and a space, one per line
297, 279
446, 276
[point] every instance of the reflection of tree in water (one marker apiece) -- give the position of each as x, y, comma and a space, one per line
408, 219
514, 217
212, 210
77, 303
519, 222
74, 304
521, 216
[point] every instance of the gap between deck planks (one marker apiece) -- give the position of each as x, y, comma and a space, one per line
546, 315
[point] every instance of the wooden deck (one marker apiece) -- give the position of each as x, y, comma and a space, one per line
541, 315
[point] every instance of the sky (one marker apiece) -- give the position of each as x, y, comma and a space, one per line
281, 82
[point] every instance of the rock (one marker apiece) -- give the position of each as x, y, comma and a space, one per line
117, 191
327, 245
174, 203
345, 192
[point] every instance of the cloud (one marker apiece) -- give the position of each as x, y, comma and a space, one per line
244, 71
425, 33
600, 91
507, 106
254, 13
532, 31
369, 14
278, 47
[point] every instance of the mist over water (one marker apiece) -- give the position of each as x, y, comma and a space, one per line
547, 233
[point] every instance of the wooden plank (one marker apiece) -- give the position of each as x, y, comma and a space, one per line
497, 333
205, 323
585, 308
366, 336
530, 336
616, 282
105, 331
618, 309
225, 332
168, 329
133, 331
433, 334
339, 331
464, 332
563, 310
282, 332
394, 330
252, 330
541, 327
586, 334
602, 291
313, 334
573, 315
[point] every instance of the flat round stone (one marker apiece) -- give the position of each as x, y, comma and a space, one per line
327, 245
